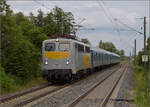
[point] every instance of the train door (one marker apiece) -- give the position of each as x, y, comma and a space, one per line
76, 55
91, 53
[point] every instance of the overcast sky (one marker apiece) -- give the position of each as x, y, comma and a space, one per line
99, 23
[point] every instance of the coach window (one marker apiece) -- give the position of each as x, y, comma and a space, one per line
50, 47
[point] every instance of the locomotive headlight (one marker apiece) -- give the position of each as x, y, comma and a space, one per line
46, 61
57, 40
67, 61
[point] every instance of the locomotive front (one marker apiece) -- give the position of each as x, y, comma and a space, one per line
56, 59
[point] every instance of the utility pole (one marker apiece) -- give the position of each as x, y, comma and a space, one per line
100, 45
130, 55
144, 41
135, 52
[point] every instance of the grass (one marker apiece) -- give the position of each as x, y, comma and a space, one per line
16, 87
122, 61
142, 88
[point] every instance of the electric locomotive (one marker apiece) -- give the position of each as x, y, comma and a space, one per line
64, 59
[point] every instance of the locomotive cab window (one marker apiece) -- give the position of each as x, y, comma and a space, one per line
64, 47
87, 49
50, 47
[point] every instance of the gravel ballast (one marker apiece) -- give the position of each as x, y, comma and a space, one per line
65, 97
126, 90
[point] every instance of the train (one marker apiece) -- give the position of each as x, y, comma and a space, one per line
65, 59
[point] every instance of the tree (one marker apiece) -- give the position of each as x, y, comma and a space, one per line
33, 33
32, 18
111, 47
19, 56
139, 58
50, 27
10, 34
19, 17
108, 46
122, 56
21, 44
37, 36
64, 21
4, 8
55, 22
40, 19
84, 40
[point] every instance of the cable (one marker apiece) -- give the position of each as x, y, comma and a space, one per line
128, 26
111, 20
42, 4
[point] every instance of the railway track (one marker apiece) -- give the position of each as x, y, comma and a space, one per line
24, 98
106, 99
18, 94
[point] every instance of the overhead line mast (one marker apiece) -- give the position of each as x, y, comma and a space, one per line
144, 41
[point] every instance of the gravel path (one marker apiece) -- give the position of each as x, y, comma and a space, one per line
126, 90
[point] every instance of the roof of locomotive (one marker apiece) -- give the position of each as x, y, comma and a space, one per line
64, 39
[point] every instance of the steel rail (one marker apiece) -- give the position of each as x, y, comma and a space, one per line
40, 96
18, 94
106, 99
76, 101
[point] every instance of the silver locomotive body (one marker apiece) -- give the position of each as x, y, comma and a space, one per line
63, 58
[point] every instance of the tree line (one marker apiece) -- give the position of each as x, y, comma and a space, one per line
109, 46
21, 40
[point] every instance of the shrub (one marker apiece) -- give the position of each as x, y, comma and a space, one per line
141, 89
6, 82
139, 69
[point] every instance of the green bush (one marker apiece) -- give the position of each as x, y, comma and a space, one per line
6, 82
139, 69
141, 89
